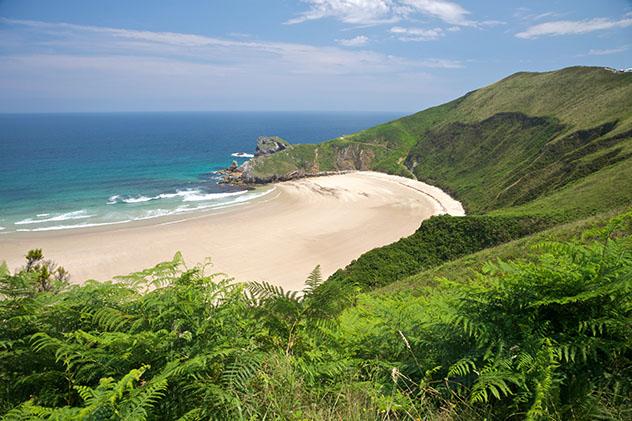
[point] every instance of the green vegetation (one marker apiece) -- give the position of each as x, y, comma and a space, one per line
546, 338
438, 239
602, 191
520, 310
525, 137
522, 248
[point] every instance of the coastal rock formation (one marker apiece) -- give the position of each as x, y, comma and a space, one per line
267, 145
243, 174
295, 163
354, 157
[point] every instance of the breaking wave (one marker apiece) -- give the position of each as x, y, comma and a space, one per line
197, 201
189, 195
242, 155
81, 214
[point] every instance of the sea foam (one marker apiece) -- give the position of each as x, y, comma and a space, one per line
138, 199
81, 214
198, 201
197, 196
189, 195
113, 199
65, 227
242, 155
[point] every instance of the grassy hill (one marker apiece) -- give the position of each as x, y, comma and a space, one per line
526, 136
549, 147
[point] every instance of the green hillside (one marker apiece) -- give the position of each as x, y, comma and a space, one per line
520, 310
526, 136
553, 147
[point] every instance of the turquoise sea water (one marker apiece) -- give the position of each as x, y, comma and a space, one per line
67, 171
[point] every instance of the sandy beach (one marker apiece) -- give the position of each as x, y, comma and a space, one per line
278, 238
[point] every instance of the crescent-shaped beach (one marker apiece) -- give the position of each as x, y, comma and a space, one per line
279, 237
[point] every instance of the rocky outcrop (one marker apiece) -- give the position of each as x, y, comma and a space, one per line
294, 175
346, 158
267, 145
354, 157
243, 174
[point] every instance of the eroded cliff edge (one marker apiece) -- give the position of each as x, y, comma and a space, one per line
277, 160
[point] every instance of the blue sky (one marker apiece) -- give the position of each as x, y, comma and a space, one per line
386, 55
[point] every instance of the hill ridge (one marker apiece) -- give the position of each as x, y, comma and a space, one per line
588, 115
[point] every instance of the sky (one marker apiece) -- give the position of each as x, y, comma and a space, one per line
290, 55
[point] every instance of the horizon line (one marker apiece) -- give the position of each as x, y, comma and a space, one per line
204, 111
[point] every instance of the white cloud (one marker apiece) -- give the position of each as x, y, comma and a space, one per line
606, 51
349, 11
239, 35
298, 58
527, 14
371, 12
417, 34
442, 63
447, 11
568, 27
58, 66
358, 41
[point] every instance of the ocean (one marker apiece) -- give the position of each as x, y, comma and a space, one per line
68, 171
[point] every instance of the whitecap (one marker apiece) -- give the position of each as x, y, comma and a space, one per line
200, 197
172, 195
81, 214
242, 155
113, 199
154, 213
2, 228
188, 195
64, 227
138, 199
41, 215
239, 198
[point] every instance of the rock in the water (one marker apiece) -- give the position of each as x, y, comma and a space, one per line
233, 166
267, 145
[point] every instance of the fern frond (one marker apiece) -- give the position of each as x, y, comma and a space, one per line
462, 368
314, 279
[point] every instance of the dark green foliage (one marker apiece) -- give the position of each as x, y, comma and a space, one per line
479, 161
547, 338
438, 239
160, 343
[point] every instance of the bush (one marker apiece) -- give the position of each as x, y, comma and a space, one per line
438, 240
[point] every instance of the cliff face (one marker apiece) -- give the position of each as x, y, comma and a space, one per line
305, 161
278, 160
353, 157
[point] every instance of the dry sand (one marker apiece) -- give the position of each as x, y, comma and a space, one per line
279, 237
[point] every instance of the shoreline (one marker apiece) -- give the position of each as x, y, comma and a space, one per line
262, 192
278, 237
